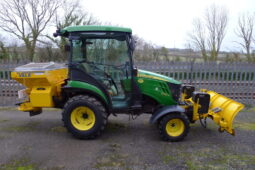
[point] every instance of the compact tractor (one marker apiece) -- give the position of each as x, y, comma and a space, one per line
100, 79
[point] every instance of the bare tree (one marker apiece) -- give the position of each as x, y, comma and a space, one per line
27, 19
198, 37
71, 14
144, 51
245, 33
209, 32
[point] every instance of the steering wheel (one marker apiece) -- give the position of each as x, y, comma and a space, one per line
111, 80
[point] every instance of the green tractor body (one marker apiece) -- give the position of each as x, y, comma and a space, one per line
101, 79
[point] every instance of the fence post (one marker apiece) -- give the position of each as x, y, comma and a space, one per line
191, 72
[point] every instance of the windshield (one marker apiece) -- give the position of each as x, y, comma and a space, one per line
104, 51
103, 55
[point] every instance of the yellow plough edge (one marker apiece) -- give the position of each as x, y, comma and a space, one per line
222, 110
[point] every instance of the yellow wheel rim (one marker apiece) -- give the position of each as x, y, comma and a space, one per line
175, 127
83, 118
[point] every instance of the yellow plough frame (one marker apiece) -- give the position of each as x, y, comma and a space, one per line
222, 110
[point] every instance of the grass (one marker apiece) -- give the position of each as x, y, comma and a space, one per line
115, 146
208, 158
113, 158
168, 158
59, 129
8, 108
252, 109
245, 125
4, 120
20, 164
249, 108
2, 137
115, 126
23, 128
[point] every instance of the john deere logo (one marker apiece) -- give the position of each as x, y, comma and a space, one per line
140, 80
22, 74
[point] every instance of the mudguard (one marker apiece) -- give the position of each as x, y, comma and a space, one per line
107, 103
164, 111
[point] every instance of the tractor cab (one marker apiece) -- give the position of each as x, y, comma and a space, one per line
101, 56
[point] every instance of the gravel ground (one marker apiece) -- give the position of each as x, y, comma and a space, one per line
41, 142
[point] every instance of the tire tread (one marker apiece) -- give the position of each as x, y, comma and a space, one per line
93, 101
162, 124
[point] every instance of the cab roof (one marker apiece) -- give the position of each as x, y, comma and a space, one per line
95, 28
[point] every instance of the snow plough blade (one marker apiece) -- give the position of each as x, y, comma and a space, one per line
223, 111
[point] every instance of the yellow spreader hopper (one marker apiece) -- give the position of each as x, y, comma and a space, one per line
43, 83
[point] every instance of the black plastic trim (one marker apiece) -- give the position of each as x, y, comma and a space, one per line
164, 111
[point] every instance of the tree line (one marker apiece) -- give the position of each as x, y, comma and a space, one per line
28, 21
209, 32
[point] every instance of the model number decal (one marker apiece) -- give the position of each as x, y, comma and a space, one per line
23, 74
151, 77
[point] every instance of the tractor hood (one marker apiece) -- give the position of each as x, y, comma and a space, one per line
152, 75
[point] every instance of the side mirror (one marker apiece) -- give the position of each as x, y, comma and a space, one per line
135, 71
57, 33
132, 43
67, 48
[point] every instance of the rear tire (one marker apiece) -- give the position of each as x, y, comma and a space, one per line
174, 127
84, 116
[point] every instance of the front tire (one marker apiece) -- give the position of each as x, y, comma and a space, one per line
84, 117
174, 127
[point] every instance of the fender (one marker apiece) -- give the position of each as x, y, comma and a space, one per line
82, 87
86, 86
164, 111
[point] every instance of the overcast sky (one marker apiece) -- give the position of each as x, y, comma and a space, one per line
165, 22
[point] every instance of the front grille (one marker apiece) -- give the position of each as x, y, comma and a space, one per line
175, 90
163, 87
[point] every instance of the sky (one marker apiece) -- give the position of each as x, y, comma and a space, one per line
166, 22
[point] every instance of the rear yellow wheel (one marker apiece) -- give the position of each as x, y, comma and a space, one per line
83, 118
174, 127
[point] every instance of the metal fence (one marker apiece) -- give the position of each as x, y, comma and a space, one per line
235, 80
8, 87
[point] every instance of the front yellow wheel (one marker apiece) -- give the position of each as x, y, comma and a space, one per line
83, 118
175, 127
